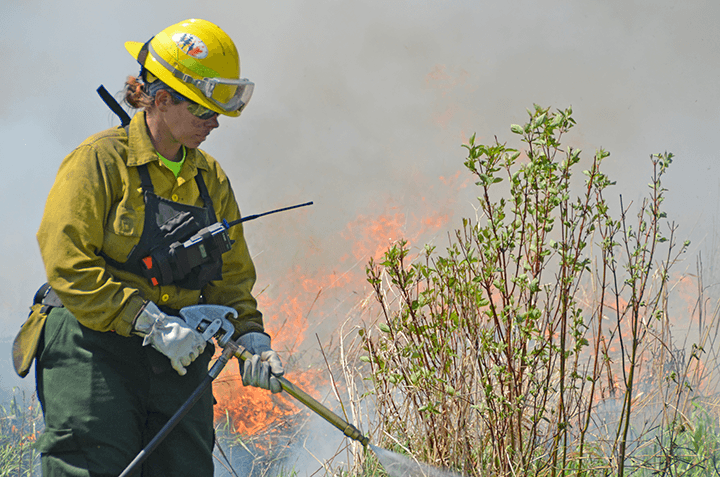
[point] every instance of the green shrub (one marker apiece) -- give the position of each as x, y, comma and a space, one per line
492, 357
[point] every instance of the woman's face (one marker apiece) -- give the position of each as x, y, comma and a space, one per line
181, 125
187, 129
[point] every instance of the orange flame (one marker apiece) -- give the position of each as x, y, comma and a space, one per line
300, 296
249, 409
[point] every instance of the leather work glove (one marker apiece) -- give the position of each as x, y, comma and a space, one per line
170, 335
261, 369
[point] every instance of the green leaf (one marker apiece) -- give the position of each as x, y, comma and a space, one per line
516, 128
384, 328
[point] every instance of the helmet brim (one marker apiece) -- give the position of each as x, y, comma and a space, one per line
134, 47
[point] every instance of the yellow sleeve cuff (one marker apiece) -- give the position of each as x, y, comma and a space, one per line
124, 324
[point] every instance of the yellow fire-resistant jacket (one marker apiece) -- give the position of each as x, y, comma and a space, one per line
97, 204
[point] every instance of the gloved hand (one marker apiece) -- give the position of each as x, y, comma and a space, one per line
170, 335
261, 369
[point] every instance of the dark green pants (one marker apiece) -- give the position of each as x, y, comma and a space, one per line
105, 396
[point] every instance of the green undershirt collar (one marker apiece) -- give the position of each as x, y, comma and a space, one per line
175, 167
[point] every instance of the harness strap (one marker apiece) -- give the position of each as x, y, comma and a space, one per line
145, 181
205, 195
114, 105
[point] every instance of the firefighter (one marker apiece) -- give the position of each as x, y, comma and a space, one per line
114, 361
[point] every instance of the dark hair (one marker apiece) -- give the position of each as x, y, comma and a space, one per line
136, 94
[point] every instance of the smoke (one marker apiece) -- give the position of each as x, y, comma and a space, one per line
362, 107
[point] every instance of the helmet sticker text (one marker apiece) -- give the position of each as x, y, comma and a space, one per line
191, 45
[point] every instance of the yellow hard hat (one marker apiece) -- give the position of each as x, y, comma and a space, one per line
199, 61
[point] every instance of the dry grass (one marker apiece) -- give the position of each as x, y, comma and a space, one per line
20, 424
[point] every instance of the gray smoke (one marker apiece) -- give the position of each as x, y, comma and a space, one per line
362, 107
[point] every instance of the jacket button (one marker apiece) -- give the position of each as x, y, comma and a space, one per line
165, 297
175, 197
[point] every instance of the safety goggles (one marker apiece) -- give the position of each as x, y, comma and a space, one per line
227, 94
195, 109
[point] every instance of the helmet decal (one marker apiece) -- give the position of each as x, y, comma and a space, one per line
191, 45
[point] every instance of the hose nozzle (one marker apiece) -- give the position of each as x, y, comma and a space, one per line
353, 433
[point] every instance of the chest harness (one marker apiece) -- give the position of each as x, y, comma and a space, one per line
161, 255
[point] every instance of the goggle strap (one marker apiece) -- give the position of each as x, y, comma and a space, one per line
185, 78
205, 85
